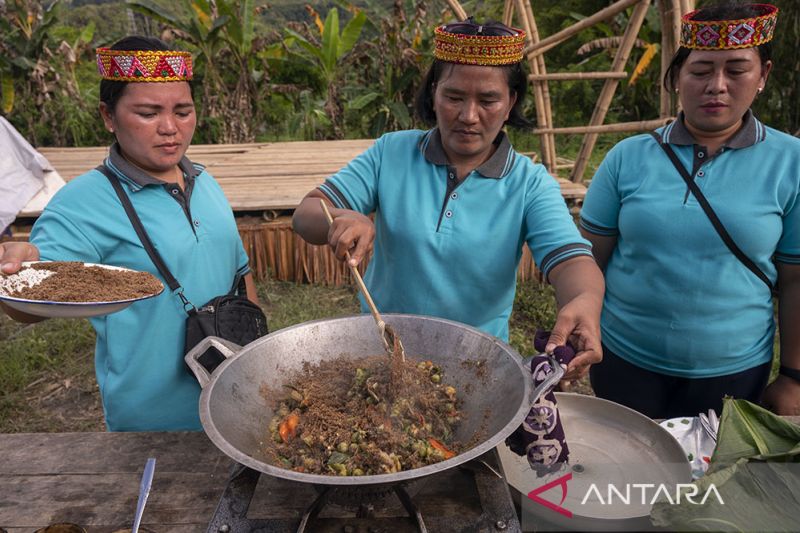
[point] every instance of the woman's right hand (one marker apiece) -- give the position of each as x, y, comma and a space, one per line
12, 254
351, 232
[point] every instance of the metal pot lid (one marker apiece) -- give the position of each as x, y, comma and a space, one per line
619, 460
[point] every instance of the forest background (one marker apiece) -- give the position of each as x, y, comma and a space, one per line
292, 70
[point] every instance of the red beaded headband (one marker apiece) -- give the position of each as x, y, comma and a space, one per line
478, 48
729, 34
144, 65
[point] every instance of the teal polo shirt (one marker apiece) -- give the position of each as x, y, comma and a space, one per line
449, 249
143, 381
677, 300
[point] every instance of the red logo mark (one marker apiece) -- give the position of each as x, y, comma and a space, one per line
562, 481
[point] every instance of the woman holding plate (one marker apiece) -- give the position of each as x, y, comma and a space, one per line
146, 102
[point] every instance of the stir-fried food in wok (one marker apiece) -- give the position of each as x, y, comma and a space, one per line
361, 417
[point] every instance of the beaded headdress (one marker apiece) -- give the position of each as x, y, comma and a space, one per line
144, 65
729, 34
469, 43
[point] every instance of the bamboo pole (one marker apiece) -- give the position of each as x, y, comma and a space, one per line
541, 90
644, 125
548, 43
609, 87
538, 92
458, 11
545, 87
508, 12
564, 76
667, 10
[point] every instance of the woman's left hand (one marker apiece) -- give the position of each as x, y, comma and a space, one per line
578, 323
782, 396
579, 290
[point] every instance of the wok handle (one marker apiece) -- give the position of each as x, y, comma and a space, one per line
549, 382
203, 375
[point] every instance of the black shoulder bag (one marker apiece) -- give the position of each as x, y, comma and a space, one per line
712, 216
231, 316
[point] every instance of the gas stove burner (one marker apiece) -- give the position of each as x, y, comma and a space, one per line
472, 497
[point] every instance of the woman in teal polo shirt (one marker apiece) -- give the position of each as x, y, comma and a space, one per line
146, 101
454, 205
685, 322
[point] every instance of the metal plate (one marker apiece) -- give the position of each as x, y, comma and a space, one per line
616, 454
51, 309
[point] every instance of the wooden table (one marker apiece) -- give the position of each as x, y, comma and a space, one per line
92, 479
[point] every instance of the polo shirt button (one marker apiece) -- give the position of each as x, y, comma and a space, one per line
700, 155
452, 176
701, 173
197, 223
448, 214
174, 191
454, 195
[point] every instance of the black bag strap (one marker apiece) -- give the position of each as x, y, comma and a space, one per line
712, 216
155, 257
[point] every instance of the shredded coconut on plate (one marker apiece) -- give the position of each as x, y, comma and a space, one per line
27, 277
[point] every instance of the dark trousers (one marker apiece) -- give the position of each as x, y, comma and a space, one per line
662, 396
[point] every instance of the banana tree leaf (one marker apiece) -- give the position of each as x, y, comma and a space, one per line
330, 42
755, 470
359, 103
351, 33
747, 430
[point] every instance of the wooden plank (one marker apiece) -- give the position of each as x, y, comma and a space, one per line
256, 176
92, 479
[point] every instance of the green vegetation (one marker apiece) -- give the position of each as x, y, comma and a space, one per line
289, 71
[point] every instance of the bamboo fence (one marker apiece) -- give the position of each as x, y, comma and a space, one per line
279, 253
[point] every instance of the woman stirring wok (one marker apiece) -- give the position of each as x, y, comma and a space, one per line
146, 101
455, 204
685, 320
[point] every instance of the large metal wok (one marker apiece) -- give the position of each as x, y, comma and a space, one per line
235, 414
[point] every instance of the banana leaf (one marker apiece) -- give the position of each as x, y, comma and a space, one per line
755, 471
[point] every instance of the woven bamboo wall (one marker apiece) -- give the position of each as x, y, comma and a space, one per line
276, 251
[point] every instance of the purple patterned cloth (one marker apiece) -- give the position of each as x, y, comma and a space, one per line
541, 437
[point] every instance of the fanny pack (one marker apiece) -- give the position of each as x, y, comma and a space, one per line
230, 316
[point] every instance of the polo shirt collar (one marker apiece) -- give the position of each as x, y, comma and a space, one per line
137, 177
751, 132
495, 167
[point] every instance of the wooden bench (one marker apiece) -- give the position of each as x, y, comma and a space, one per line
271, 179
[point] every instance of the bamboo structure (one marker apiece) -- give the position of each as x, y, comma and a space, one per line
276, 251
619, 127
561, 76
540, 89
604, 14
670, 12
609, 88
